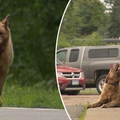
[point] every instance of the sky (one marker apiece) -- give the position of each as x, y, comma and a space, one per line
102, 0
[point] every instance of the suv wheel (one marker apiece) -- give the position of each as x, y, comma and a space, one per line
100, 82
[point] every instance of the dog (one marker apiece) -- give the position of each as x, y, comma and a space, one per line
6, 51
110, 96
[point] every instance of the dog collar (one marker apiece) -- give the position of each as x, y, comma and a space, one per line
116, 84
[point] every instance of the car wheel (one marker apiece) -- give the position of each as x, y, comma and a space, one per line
100, 83
76, 92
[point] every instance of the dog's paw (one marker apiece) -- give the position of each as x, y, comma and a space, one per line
104, 106
89, 106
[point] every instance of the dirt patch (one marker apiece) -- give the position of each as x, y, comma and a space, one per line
70, 100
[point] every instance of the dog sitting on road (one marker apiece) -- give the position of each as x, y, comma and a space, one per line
6, 51
110, 96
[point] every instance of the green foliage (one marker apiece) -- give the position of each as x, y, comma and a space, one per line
84, 19
91, 16
63, 42
114, 29
71, 21
95, 39
103, 29
83, 113
32, 97
34, 27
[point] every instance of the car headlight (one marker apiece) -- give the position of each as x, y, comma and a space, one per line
82, 74
59, 74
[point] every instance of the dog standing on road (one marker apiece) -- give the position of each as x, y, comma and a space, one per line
6, 51
110, 96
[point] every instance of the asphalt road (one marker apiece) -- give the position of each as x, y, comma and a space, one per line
75, 111
32, 114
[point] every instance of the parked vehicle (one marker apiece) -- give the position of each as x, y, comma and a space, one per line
70, 79
95, 61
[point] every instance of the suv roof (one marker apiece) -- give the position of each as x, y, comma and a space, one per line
109, 46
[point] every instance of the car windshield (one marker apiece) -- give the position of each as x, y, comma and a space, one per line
59, 62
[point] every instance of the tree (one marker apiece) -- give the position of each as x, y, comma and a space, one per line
108, 4
114, 29
83, 17
91, 16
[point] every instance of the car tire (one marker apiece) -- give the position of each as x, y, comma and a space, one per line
100, 82
76, 92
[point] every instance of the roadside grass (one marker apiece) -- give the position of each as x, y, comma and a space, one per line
83, 114
89, 91
30, 97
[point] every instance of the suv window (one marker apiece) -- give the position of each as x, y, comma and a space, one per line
62, 55
74, 55
103, 53
113, 52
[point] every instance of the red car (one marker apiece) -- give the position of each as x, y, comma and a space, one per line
71, 80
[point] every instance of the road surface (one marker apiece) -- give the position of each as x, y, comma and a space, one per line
32, 114
103, 114
73, 100
75, 104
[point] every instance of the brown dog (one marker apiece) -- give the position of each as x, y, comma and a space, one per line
110, 96
6, 51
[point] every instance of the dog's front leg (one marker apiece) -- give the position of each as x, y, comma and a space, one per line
3, 74
97, 104
102, 100
111, 104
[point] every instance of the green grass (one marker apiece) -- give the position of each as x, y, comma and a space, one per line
83, 114
89, 91
31, 97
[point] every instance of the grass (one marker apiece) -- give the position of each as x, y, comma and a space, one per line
89, 91
83, 114
31, 97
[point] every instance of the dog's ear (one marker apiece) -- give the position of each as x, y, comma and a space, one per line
117, 64
5, 21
